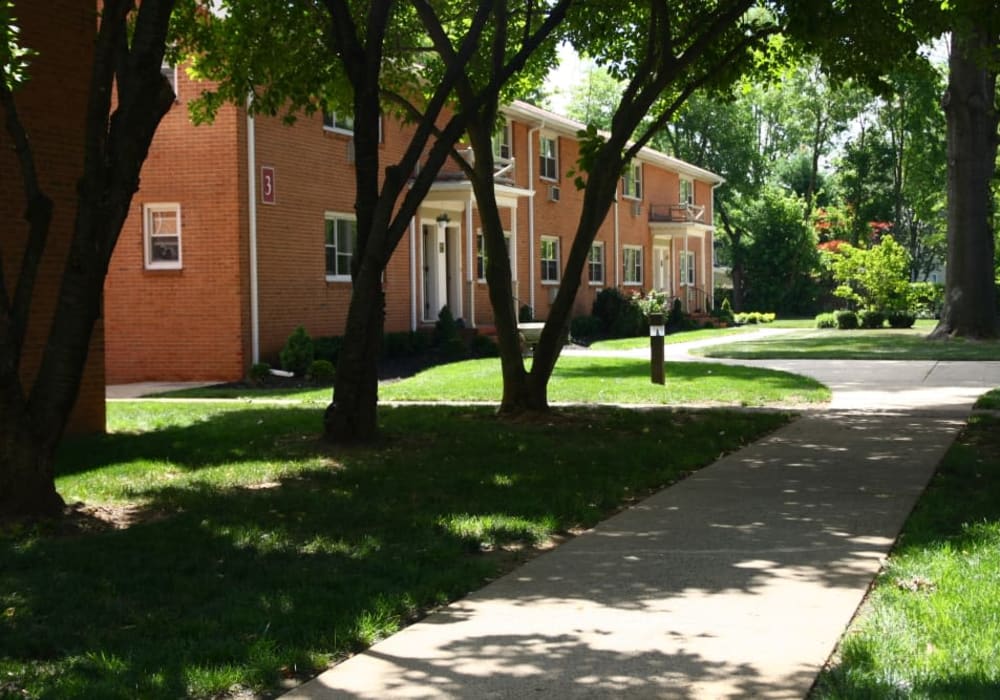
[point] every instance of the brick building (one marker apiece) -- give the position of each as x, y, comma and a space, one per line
241, 231
52, 107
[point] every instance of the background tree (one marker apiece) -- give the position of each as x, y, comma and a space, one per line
128, 98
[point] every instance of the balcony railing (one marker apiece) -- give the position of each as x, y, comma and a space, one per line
677, 213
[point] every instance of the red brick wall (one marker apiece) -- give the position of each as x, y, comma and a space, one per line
52, 105
191, 323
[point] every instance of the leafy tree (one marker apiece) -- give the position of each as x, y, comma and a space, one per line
875, 278
782, 257
593, 99
128, 52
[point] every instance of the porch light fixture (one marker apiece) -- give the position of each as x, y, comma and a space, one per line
443, 218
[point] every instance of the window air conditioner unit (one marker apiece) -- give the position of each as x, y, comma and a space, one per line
636, 208
553, 193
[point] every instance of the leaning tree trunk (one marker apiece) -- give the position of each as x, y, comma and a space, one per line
970, 109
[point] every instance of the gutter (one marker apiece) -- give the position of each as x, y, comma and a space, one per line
252, 213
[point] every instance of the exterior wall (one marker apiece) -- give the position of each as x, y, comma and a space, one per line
52, 107
190, 323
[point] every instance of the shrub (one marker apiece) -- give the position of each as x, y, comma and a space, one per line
483, 346
396, 345
608, 305
926, 299
675, 319
629, 322
871, 319
321, 371
328, 348
827, 320
259, 372
724, 312
525, 314
846, 320
454, 349
585, 328
902, 319
446, 328
298, 352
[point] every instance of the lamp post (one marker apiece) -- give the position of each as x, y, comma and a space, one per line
657, 330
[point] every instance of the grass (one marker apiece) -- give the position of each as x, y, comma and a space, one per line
262, 554
858, 345
581, 380
989, 401
931, 625
672, 339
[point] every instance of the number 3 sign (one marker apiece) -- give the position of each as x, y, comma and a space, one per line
267, 184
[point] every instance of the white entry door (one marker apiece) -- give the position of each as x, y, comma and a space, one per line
661, 268
442, 269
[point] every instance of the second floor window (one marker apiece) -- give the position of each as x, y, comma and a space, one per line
632, 181
548, 157
502, 145
337, 121
687, 192
340, 237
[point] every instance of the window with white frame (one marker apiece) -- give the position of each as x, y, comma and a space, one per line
687, 268
170, 73
595, 264
481, 257
340, 238
632, 256
687, 191
502, 144
632, 181
338, 121
550, 260
548, 157
162, 234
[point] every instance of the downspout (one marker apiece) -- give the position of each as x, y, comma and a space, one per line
470, 272
252, 215
618, 267
413, 274
531, 216
711, 296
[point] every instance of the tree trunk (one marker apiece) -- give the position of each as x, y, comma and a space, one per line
970, 109
27, 475
353, 415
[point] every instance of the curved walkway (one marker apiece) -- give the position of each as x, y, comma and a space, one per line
736, 582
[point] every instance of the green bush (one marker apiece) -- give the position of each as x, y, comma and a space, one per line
846, 320
926, 299
525, 314
328, 348
320, 371
298, 353
483, 346
724, 312
827, 320
629, 323
454, 349
446, 328
396, 345
902, 319
585, 328
259, 372
871, 319
608, 305
675, 319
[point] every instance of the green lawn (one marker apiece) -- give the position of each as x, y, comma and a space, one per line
931, 625
262, 554
672, 339
581, 380
886, 344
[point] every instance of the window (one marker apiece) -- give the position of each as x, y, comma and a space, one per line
170, 73
481, 254
502, 149
162, 234
687, 268
339, 122
550, 260
632, 256
340, 238
632, 181
548, 154
687, 192
595, 264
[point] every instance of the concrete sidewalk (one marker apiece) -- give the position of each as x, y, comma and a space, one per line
736, 582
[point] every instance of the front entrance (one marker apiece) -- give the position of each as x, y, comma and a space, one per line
661, 268
442, 270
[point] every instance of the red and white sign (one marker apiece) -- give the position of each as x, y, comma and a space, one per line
267, 193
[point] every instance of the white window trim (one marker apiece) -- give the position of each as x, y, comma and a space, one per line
688, 270
625, 265
604, 264
680, 190
506, 133
555, 140
635, 171
334, 128
553, 239
147, 235
334, 216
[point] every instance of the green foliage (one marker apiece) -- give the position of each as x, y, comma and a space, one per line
901, 319
585, 329
655, 302
298, 352
874, 278
826, 320
453, 349
404, 344
525, 314
870, 318
328, 348
13, 57
484, 346
445, 329
320, 371
608, 305
753, 318
846, 320
926, 299
782, 258
629, 322
676, 320
724, 312
259, 372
